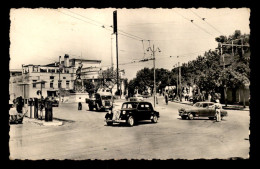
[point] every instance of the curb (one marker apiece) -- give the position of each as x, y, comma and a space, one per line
45, 123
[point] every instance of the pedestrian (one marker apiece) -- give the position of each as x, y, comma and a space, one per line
41, 106
218, 108
209, 97
79, 106
19, 105
166, 98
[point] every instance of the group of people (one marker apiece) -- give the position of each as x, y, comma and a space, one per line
39, 103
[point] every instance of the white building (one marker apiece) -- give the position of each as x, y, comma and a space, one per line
31, 78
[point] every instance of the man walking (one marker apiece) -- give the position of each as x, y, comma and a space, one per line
218, 107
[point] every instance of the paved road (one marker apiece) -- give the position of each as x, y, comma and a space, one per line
85, 135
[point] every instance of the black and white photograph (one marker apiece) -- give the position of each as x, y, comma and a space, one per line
119, 83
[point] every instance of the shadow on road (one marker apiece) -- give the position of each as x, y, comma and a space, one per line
196, 119
136, 124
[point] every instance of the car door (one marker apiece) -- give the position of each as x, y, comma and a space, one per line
211, 110
147, 112
141, 111
203, 110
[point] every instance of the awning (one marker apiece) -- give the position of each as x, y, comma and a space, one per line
23, 83
39, 82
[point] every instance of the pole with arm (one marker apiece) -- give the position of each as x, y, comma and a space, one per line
59, 79
154, 82
225, 92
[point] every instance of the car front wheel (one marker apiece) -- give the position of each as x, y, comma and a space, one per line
90, 108
190, 116
211, 118
130, 121
109, 123
183, 117
154, 119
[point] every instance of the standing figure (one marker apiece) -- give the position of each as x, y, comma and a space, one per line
79, 106
19, 105
166, 98
41, 106
209, 97
218, 107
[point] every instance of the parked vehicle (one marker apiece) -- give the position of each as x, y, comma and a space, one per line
14, 116
100, 101
132, 112
201, 109
138, 97
146, 95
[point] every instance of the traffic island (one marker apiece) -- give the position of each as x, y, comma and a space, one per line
43, 122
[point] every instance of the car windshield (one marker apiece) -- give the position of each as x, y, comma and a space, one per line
196, 105
106, 97
129, 105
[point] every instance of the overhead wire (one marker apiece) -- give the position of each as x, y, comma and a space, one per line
191, 21
103, 25
204, 19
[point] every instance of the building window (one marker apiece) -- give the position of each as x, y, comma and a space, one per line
64, 77
34, 84
43, 70
51, 77
51, 85
67, 84
52, 70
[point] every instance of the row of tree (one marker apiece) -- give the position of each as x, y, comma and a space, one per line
208, 72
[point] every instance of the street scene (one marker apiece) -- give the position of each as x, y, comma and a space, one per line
129, 84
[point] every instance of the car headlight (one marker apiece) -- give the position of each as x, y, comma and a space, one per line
123, 112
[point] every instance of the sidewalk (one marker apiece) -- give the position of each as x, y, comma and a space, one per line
43, 122
228, 107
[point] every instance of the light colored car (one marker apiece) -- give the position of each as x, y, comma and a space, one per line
201, 109
138, 97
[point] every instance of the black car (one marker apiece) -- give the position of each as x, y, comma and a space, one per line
100, 101
131, 112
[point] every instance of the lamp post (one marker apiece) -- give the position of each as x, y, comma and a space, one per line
154, 82
59, 83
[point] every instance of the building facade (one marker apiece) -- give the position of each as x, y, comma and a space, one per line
50, 78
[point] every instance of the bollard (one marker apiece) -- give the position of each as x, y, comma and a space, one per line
30, 104
36, 108
79, 106
48, 111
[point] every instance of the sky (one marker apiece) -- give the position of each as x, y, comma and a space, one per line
39, 36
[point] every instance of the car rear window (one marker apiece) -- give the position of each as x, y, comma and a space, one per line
205, 105
129, 105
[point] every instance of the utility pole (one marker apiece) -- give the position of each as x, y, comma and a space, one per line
154, 80
59, 83
177, 84
225, 92
180, 81
115, 31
